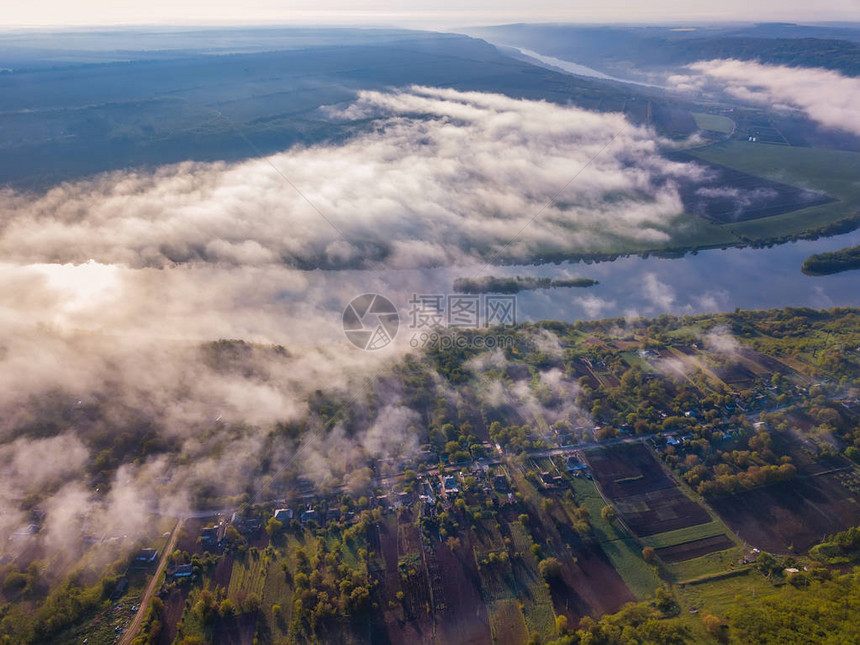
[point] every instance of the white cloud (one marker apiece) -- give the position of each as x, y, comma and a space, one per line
660, 294
823, 95
721, 340
444, 174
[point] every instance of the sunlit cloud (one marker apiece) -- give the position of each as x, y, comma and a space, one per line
823, 95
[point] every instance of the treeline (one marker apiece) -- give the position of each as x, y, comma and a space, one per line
832, 261
753, 477
840, 55
839, 227
635, 623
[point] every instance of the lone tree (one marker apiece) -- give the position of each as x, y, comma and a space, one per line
715, 625
273, 527
649, 554
608, 513
550, 569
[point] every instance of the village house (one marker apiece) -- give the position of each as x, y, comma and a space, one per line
183, 571
284, 515
146, 556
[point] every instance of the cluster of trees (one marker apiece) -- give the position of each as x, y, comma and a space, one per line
833, 261
327, 587
750, 478
38, 606
459, 444
635, 623
517, 438
840, 548
550, 569
642, 402
495, 557
712, 471
65, 605
206, 611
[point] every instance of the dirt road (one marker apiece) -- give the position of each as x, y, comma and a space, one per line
137, 621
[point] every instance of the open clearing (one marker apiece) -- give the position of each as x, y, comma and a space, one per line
713, 122
719, 594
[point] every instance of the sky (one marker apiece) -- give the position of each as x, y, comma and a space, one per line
426, 13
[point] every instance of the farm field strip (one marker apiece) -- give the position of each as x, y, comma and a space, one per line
249, 576
646, 497
507, 625
535, 599
687, 534
713, 122
498, 588
695, 548
622, 550
792, 515
276, 591
718, 562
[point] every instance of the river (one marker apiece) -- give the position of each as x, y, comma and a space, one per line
716, 280
576, 68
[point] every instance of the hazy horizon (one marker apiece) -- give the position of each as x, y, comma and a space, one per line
430, 15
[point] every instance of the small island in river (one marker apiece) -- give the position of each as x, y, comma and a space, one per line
499, 284
832, 262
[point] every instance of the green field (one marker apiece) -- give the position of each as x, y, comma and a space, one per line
276, 591
249, 575
506, 621
715, 597
713, 563
634, 360
714, 122
834, 172
719, 595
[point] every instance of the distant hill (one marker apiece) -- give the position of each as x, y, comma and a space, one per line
839, 55
612, 48
88, 103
